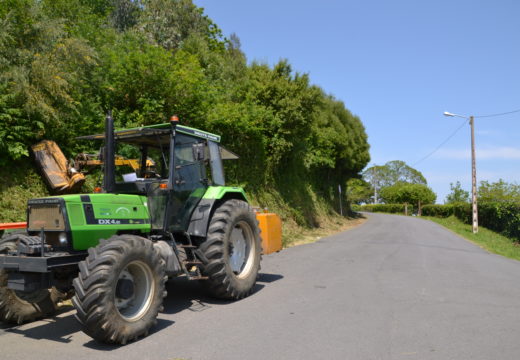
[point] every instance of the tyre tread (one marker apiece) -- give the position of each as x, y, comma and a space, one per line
95, 309
221, 282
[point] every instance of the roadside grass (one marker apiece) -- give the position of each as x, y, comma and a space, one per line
19, 182
296, 235
306, 216
486, 239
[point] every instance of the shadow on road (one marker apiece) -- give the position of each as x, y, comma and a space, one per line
161, 324
58, 328
182, 295
268, 278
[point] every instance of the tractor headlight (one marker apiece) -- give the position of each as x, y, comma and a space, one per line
63, 238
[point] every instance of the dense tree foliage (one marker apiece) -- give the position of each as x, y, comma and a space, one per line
359, 191
391, 173
457, 194
488, 191
400, 193
498, 191
394, 175
64, 63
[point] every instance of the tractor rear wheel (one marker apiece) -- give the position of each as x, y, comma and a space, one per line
120, 289
232, 249
19, 307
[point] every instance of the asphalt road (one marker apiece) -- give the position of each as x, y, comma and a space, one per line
393, 288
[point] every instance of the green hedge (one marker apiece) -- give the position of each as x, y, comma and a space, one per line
460, 210
442, 211
502, 217
386, 208
463, 212
355, 207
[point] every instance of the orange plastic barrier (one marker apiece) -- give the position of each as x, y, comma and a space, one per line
17, 225
270, 232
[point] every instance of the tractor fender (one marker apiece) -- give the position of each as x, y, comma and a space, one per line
203, 212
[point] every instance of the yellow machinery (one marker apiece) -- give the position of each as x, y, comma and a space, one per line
61, 177
54, 166
85, 161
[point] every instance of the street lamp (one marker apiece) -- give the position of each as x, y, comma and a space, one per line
473, 169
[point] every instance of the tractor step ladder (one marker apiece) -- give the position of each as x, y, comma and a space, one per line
192, 267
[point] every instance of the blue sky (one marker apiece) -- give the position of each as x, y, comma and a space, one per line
399, 65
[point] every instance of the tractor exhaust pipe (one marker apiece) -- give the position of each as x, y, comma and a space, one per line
109, 180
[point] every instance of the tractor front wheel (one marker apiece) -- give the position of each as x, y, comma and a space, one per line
19, 307
232, 249
120, 289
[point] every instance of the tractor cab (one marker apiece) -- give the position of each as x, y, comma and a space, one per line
187, 161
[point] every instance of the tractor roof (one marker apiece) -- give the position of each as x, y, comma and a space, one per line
152, 135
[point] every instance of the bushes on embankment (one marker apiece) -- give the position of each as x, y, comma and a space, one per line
502, 217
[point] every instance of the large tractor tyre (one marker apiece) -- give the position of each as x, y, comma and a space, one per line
120, 289
232, 250
19, 307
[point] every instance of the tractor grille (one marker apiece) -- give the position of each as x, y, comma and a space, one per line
46, 216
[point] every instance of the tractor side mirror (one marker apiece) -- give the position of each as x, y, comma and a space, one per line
199, 151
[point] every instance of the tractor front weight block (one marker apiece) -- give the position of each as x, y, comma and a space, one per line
32, 273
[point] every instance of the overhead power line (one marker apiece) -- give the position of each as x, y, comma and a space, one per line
457, 130
500, 114
442, 143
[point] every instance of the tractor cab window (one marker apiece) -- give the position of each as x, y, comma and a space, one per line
138, 166
140, 163
217, 171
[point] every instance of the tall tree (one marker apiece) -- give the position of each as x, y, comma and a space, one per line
42, 72
400, 193
169, 22
457, 194
391, 173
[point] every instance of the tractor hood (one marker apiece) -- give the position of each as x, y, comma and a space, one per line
88, 218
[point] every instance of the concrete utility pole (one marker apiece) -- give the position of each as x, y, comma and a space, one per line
473, 177
473, 170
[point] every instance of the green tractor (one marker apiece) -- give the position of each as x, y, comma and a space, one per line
112, 251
